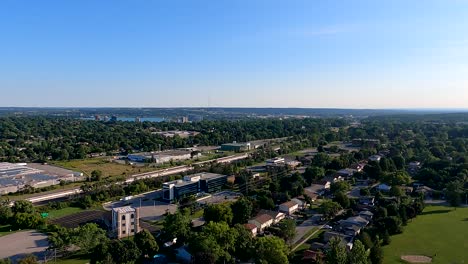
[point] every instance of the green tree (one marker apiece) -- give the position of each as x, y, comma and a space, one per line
342, 199
396, 191
336, 254
245, 244
358, 254
146, 243
287, 229
340, 186
329, 209
313, 174
376, 254
241, 210
177, 225
454, 192
386, 238
23, 206
89, 236
218, 213
366, 240
29, 259
271, 250
96, 175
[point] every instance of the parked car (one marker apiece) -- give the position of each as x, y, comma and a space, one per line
327, 227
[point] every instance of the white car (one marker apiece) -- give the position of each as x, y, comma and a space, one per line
327, 227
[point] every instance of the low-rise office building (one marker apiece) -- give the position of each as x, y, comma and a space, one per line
125, 221
237, 147
193, 184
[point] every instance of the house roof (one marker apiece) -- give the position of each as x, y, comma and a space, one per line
263, 218
289, 204
250, 226
368, 213
272, 214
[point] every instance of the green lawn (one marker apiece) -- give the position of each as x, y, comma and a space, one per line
440, 232
5, 230
63, 212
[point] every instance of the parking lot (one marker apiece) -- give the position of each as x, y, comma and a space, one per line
150, 208
221, 197
17, 245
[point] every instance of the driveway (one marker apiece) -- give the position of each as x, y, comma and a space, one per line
305, 227
19, 244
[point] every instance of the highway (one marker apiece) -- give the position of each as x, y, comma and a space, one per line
41, 198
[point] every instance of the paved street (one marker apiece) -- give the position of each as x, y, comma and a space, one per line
305, 227
19, 244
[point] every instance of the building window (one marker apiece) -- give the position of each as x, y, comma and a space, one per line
123, 217
132, 216
123, 224
123, 232
133, 230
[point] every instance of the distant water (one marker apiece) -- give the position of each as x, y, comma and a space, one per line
131, 119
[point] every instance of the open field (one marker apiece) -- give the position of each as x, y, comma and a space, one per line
440, 232
64, 212
108, 168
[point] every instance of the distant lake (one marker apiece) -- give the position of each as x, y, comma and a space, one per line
131, 119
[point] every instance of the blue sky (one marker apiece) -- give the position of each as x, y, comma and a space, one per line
311, 53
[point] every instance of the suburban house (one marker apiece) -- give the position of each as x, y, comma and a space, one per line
354, 220
346, 173
275, 215
251, 228
366, 200
334, 178
357, 166
345, 239
324, 184
311, 256
366, 215
300, 202
383, 187
262, 221
288, 207
375, 158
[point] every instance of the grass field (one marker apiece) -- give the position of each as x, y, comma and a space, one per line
63, 212
5, 230
440, 232
108, 168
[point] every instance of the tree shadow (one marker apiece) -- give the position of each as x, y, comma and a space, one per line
437, 212
466, 219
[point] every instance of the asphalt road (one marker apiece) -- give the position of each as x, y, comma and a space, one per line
17, 245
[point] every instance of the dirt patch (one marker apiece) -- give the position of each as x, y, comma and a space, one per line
416, 259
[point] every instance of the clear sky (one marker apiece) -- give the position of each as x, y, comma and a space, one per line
247, 53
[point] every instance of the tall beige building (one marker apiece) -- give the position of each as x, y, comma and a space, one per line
125, 221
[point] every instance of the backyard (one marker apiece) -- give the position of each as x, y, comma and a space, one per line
440, 232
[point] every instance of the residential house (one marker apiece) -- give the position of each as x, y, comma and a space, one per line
300, 202
345, 239
346, 173
354, 220
261, 221
367, 200
311, 256
375, 158
366, 215
383, 187
288, 207
251, 228
275, 215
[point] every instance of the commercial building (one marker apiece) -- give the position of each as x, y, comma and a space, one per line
125, 221
16, 176
193, 184
160, 157
237, 147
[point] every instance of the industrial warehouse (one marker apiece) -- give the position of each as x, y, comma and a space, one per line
16, 176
